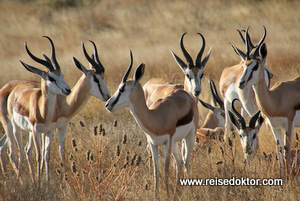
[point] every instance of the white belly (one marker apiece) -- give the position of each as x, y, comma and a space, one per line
180, 133
24, 123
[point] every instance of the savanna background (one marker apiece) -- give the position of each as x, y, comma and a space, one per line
105, 153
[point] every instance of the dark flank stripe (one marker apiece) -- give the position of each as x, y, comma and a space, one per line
186, 119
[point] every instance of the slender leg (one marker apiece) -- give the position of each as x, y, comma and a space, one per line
42, 151
18, 138
189, 144
48, 140
179, 164
278, 136
227, 119
61, 139
154, 150
28, 149
288, 143
37, 144
167, 154
3, 147
11, 145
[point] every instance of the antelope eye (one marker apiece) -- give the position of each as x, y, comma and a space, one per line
201, 76
254, 136
51, 79
188, 76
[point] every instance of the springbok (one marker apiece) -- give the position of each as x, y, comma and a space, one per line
229, 81
170, 119
248, 134
35, 109
280, 104
91, 83
193, 75
213, 125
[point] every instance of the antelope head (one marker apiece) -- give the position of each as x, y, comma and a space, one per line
248, 134
128, 89
255, 55
54, 78
193, 72
95, 75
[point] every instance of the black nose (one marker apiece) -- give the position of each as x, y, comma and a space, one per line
197, 93
242, 84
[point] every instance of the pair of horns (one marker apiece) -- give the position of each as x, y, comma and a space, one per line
251, 50
187, 56
52, 63
94, 59
241, 121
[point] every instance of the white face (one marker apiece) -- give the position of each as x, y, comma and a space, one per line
193, 79
98, 87
121, 98
249, 141
250, 74
57, 84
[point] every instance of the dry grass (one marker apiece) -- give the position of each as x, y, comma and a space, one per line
150, 29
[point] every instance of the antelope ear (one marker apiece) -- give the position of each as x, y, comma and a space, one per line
138, 74
79, 65
208, 106
32, 69
233, 120
239, 52
205, 60
180, 63
263, 52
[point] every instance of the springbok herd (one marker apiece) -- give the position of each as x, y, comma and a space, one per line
166, 112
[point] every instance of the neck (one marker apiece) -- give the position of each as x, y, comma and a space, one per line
149, 120
72, 104
47, 103
264, 97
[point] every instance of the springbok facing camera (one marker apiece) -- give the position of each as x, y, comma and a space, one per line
229, 80
248, 134
35, 110
170, 119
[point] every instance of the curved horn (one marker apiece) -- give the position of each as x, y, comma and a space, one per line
215, 94
247, 44
199, 56
54, 61
129, 69
208, 106
185, 53
239, 116
260, 43
99, 67
38, 60
92, 61
254, 119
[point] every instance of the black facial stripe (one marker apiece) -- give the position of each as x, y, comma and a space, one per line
115, 102
98, 83
253, 69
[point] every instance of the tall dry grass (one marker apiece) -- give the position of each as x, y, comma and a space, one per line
150, 29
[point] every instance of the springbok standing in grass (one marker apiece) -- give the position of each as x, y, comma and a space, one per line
280, 104
35, 109
248, 134
170, 119
91, 83
229, 81
213, 125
